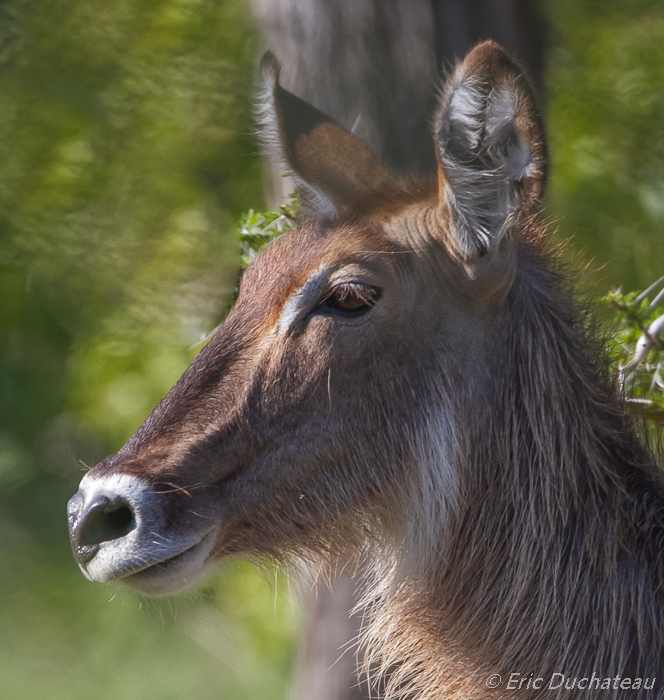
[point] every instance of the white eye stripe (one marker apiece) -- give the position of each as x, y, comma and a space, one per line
301, 300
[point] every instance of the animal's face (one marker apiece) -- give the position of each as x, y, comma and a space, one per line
304, 423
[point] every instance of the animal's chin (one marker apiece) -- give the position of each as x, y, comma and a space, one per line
175, 574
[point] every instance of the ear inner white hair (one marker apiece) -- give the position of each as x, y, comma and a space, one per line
482, 156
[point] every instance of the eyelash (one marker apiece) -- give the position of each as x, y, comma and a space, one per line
351, 298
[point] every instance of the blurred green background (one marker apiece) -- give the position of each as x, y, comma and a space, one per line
125, 160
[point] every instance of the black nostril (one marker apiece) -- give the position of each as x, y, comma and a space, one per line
105, 520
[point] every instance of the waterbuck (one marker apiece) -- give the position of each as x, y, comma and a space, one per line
406, 378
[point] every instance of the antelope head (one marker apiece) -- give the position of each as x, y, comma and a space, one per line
326, 409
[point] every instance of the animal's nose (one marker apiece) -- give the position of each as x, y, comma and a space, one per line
102, 520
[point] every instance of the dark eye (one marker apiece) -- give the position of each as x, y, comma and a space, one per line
351, 298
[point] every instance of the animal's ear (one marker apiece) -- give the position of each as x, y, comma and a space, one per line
491, 149
331, 167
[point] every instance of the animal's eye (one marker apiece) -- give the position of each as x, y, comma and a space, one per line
351, 298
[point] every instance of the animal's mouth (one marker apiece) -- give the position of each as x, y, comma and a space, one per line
174, 573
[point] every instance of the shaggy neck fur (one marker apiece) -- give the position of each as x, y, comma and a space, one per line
551, 561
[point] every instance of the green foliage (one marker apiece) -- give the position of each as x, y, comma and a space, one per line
636, 349
605, 114
123, 162
257, 229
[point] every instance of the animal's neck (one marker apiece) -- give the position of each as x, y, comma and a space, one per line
551, 561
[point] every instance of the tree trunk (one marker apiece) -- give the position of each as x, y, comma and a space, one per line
373, 65
325, 668
370, 64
